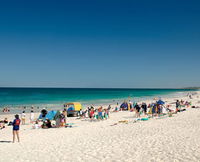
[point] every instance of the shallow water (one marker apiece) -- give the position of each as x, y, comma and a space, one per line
55, 96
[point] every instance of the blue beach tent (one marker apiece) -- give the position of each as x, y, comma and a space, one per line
160, 102
50, 115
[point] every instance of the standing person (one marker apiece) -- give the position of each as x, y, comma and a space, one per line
100, 113
16, 124
144, 107
177, 105
62, 119
32, 117
23, 117
153, 109
88, 111
91, 114
65, 113
109, 107
137, 109
106, 114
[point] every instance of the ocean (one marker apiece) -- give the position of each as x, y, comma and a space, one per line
49, 97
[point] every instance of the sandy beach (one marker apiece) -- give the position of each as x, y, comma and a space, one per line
165, 139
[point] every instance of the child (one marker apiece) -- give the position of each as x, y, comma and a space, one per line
16, 124
23, 117
31, 117
36, 125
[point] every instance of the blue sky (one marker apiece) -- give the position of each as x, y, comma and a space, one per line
97, 43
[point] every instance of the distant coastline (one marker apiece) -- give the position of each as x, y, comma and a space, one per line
192, 88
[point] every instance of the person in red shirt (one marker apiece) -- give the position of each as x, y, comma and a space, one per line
16, 124
91, 114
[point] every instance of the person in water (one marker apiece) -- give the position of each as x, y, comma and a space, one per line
16, 124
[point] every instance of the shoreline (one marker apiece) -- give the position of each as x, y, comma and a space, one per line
166, 139
16, 109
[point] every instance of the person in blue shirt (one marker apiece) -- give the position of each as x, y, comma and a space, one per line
16, 124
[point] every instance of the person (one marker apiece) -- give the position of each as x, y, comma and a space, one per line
109, 107
5, 121
144, 108
81, 113
137, 108
36, 125
106, 113
91, 114
100, 114
160, 108
23, 117
62, 119
88, 112
31, 117
177, 106
16, 124
65, 113
48, 124
2, 125
116, 109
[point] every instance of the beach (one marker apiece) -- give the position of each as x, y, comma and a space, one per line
164, 139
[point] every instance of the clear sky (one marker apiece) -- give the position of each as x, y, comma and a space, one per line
100, 43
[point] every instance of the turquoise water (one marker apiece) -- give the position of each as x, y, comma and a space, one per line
32, 96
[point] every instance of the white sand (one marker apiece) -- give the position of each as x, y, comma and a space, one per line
170, 139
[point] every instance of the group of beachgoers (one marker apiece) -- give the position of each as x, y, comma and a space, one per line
6, 110
59, 118
95, 113
155, 109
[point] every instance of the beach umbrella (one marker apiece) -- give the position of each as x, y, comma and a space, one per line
160, 102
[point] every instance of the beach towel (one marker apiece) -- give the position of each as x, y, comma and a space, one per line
123, 121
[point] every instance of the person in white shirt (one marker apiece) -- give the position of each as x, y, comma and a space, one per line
36, 125
32, 117
23, 117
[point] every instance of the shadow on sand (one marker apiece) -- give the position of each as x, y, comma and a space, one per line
5, 141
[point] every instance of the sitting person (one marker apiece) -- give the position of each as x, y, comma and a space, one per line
168, 109
5, 121
116, 109
2, 125
46, 124
36, 125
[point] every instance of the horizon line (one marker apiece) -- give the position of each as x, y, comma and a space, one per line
98, 87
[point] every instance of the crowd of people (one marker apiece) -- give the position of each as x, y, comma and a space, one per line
154, 109
157, 108
95, 113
